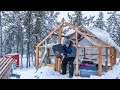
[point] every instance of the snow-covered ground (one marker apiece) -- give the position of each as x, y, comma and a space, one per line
49, 73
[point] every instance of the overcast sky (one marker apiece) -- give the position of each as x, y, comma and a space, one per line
85, 13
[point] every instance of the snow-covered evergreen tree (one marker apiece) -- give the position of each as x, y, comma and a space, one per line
77, 18
113, 26
100, 23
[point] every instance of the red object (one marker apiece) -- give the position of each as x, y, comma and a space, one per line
15, 56
84, 64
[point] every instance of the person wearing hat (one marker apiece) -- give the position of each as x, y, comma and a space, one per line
69, 57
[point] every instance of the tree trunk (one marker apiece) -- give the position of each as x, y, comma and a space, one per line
0, 35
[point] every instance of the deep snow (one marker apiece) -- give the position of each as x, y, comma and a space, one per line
49, 73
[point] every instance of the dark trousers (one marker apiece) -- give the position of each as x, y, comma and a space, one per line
71, 66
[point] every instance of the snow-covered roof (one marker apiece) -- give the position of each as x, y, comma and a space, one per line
102, 34
12, 54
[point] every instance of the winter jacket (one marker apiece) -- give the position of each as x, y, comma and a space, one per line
70, 51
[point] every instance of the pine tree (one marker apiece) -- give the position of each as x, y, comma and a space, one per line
100, 23
77, 18
113, 26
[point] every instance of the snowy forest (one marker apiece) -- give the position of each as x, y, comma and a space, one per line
21, 31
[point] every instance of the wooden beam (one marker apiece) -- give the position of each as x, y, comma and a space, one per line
73, 26
77, 56
106, 62
111, 61
92, 54
87, 33
97, 38
78, 39
92, 46
37, 56
76, 29
71, 35
86, 37
59, 41
58, 35
57, 28
102, 41
79, 28
100, 62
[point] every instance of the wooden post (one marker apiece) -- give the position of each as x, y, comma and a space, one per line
84, 52
114, 56
106, 62
77, 56
58, 60
111, 62
37, 56
100, 62
59, 64
56, 64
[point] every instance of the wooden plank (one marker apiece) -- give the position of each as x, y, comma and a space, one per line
6, 69
37, 56
8, 62
1, 60
77, 56
57, 28
78, 39
71, 35
100, 62
91, 54
103, 41
73, 26
114, 56
111, 62
79, 28
87, 33
61, 35
59, 41
4, 63
106, 62
90, 40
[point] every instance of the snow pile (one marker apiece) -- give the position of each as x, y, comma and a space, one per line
26, 73
47, 72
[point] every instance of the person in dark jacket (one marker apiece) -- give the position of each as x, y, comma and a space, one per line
69, 57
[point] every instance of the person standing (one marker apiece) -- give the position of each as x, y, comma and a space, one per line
69, 57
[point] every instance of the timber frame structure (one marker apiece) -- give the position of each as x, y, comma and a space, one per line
85, 34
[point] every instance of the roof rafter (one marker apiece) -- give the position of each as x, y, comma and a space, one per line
79, 31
